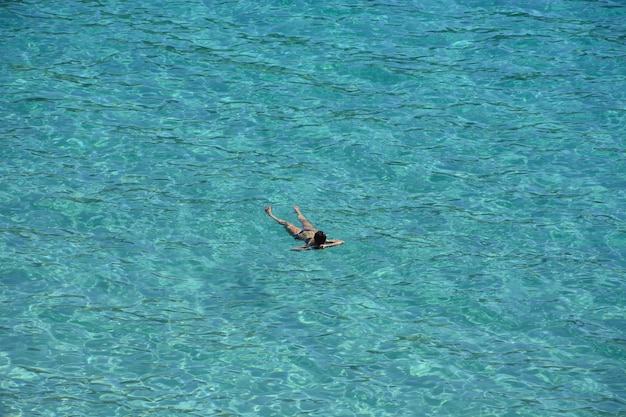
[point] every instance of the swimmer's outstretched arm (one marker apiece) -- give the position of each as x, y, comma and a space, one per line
330, 243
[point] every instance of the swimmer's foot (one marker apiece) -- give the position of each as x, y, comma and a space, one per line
268, 210
296, 209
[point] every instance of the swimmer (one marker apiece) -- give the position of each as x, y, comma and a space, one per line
313, 238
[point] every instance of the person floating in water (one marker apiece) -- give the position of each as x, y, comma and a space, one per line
313, 238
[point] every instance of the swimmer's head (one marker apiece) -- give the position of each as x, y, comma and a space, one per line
319, 238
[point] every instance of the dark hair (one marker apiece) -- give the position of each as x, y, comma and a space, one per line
320, 237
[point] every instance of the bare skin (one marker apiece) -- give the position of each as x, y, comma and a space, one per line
305, 233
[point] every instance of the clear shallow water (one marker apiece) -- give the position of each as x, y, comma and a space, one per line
471, 154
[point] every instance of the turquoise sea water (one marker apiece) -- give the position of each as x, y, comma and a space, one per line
472, 154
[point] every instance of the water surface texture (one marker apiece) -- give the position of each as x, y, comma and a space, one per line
472, 154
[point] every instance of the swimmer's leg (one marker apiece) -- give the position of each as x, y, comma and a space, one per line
291, 229
306, 225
